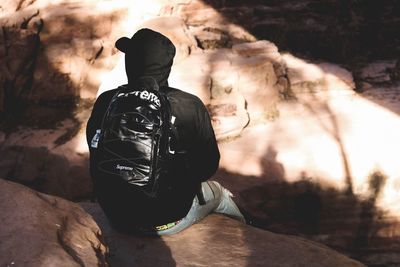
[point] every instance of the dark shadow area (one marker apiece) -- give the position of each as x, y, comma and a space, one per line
318, 212
46, 172
21, 101
35, 91
376, 183
341, 31
130, 250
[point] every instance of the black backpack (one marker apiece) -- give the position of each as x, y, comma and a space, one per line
136, 138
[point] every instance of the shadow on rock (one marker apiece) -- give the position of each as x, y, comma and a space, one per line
130, 250
215, 241
338, 31
46, 70
44, 171
308, 208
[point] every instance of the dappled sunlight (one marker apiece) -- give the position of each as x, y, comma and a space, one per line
88, 55
372, 135
182, 75
81, 146
299, 146
327, 127
114, 78
302, 151
332, 138
329, 134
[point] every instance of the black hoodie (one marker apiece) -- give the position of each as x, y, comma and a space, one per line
150, 54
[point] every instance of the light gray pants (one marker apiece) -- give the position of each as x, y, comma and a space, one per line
218, 199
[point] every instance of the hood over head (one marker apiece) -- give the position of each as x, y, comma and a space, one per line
147, 54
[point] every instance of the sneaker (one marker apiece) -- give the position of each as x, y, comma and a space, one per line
227, 206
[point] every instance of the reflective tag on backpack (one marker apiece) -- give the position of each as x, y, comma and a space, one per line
95, 140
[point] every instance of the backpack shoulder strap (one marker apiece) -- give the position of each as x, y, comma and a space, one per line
119, 89
174, 134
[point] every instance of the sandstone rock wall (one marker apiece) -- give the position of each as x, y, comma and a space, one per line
314, 152
66, 53
54, 52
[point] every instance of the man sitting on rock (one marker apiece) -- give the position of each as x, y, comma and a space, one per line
140, 187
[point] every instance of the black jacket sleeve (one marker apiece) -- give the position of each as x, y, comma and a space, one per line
207, 149
196, 135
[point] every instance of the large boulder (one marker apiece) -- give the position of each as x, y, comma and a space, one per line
41, 230
216, 241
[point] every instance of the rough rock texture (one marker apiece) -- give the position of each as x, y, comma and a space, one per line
343, 221
337, 31
322, 170
49, 154
67, 47
51, 54
305, 165
380, 72
19, 48
216, 241
248, 95
67, 60
41, 230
